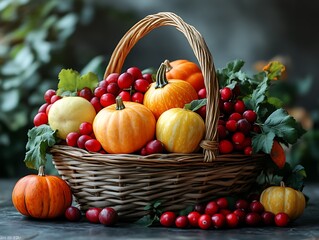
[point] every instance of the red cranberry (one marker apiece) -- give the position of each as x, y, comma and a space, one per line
211, 208
167, 219
253, 219
281, 219
268, 218
73, 214
108, 216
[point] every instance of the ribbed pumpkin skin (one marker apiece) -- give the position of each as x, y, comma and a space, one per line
126, 130
180, 130
187, 71
283, 199
173, 95
43, 197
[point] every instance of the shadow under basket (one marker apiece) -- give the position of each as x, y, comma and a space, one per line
129, 182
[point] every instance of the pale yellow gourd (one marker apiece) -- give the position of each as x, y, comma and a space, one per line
180, 130
278, 199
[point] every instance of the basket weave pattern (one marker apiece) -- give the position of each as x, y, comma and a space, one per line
128, 182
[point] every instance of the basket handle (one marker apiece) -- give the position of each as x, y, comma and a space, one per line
203, 55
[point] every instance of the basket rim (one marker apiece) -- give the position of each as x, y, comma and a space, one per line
154, 160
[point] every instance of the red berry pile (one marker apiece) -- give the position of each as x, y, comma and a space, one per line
130, 85
106, 216
218, 214
41, 117
84, 139
235, 124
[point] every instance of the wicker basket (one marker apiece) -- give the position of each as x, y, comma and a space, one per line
129, 182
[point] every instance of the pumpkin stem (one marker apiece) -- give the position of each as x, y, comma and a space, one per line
161, 79
119, 103
282, 184
41, 171
168, 65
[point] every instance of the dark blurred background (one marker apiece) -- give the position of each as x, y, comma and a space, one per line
39, 38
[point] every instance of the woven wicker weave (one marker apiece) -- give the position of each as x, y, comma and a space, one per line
129, 182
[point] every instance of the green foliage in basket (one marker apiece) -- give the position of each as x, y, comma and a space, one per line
274, 121
271, 116
70, 82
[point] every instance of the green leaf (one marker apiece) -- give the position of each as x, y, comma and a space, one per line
263, 142
299, 169
283, 125
196, 104
295, 180
235, 66
186, 211
146, 221
39, 140
259, 95
157, 203
70, 81
278, 103
230, 72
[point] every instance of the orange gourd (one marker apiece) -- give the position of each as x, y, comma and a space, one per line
278, 199
187, 71
163, 95
41, 196
124, 127
277, 154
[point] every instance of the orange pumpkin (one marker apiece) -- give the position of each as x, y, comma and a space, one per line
41, 196
124, 127
187, 71
163, 95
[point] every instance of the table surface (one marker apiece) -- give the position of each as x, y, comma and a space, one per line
14, 226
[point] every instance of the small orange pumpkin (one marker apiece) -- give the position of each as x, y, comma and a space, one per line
124, 127
41, 196
163, 95
187, 71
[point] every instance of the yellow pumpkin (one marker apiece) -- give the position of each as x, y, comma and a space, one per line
277, 199
124, 128
180, 130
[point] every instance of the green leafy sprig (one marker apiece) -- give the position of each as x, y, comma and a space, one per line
70, 82
39, 140
154, 210
273, 120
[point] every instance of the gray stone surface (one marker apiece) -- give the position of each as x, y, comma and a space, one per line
14, 226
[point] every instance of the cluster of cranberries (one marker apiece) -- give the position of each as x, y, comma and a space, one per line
84, 139
131, 85
106, 216
235, 124
41, 117
217, 214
